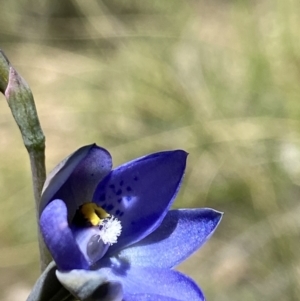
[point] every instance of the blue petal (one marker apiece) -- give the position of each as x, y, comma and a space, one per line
181, 233
148, 297
59, 237
162, 282
140, 192
76, 177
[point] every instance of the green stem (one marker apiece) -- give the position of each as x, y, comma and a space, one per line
21, 103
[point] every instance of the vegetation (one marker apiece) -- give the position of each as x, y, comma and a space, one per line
219, 79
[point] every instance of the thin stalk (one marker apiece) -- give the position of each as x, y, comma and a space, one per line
21, 103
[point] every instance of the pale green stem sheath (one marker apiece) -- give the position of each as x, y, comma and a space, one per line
21, 103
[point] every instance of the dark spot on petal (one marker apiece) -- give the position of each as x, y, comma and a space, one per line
92, 174
121, 214
135, 178
102, 197
119, 201
104, 206
119, 192
128, 198
121, 183
110, 207
128, 188
133, 223
117, 212
112, 186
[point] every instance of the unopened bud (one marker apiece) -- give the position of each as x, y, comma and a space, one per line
21, 103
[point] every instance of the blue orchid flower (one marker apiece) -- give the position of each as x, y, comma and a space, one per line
111, 233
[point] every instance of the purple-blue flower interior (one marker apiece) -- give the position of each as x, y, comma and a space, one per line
117, 222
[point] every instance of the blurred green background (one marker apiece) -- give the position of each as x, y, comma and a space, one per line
220, 79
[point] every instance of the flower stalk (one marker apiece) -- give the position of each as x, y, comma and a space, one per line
20, 100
